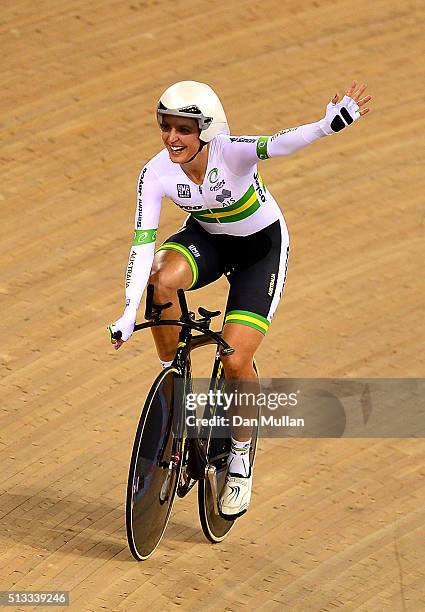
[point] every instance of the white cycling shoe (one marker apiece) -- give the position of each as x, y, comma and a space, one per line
235, 496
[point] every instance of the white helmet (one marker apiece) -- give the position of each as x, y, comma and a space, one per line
198, 101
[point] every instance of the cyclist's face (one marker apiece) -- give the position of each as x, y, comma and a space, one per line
180, 136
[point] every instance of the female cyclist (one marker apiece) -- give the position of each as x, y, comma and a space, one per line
234, 227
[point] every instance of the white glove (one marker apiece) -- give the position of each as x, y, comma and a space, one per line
339, 115
125, 324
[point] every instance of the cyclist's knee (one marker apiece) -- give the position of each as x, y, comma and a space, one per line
170, 271
164, 282
237, 365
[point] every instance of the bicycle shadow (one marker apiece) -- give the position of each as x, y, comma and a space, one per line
93, 528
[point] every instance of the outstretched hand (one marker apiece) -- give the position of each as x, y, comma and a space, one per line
355, 94
341, 113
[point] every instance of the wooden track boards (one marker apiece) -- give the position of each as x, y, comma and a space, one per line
334, 524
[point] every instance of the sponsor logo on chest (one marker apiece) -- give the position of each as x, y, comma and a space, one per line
183, 190
215, 184
218, 185
225, 195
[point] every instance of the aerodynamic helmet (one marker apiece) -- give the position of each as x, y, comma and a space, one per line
197, 101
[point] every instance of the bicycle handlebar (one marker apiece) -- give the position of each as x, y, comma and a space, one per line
153, 314
227, 350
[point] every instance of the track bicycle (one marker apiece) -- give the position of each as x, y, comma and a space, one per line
170, 455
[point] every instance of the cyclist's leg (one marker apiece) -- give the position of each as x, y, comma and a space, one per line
170, 271
235, 495
239, 368
186, 260
255, 291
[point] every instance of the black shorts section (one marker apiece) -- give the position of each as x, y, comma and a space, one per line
254, 265
206, 254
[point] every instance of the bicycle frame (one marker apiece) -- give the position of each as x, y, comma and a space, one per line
187, 342
187, 323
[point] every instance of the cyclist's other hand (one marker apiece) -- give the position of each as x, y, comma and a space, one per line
124, 325
117, 342
339, 114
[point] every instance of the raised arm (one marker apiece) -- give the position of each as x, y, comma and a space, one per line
244, 152
146, 220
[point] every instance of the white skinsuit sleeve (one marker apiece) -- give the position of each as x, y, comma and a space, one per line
149, 198
241, 153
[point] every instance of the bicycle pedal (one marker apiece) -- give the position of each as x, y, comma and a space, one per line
184, 487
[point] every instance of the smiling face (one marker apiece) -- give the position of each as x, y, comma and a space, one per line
180, 136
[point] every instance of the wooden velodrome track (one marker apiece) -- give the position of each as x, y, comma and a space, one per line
334, 524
